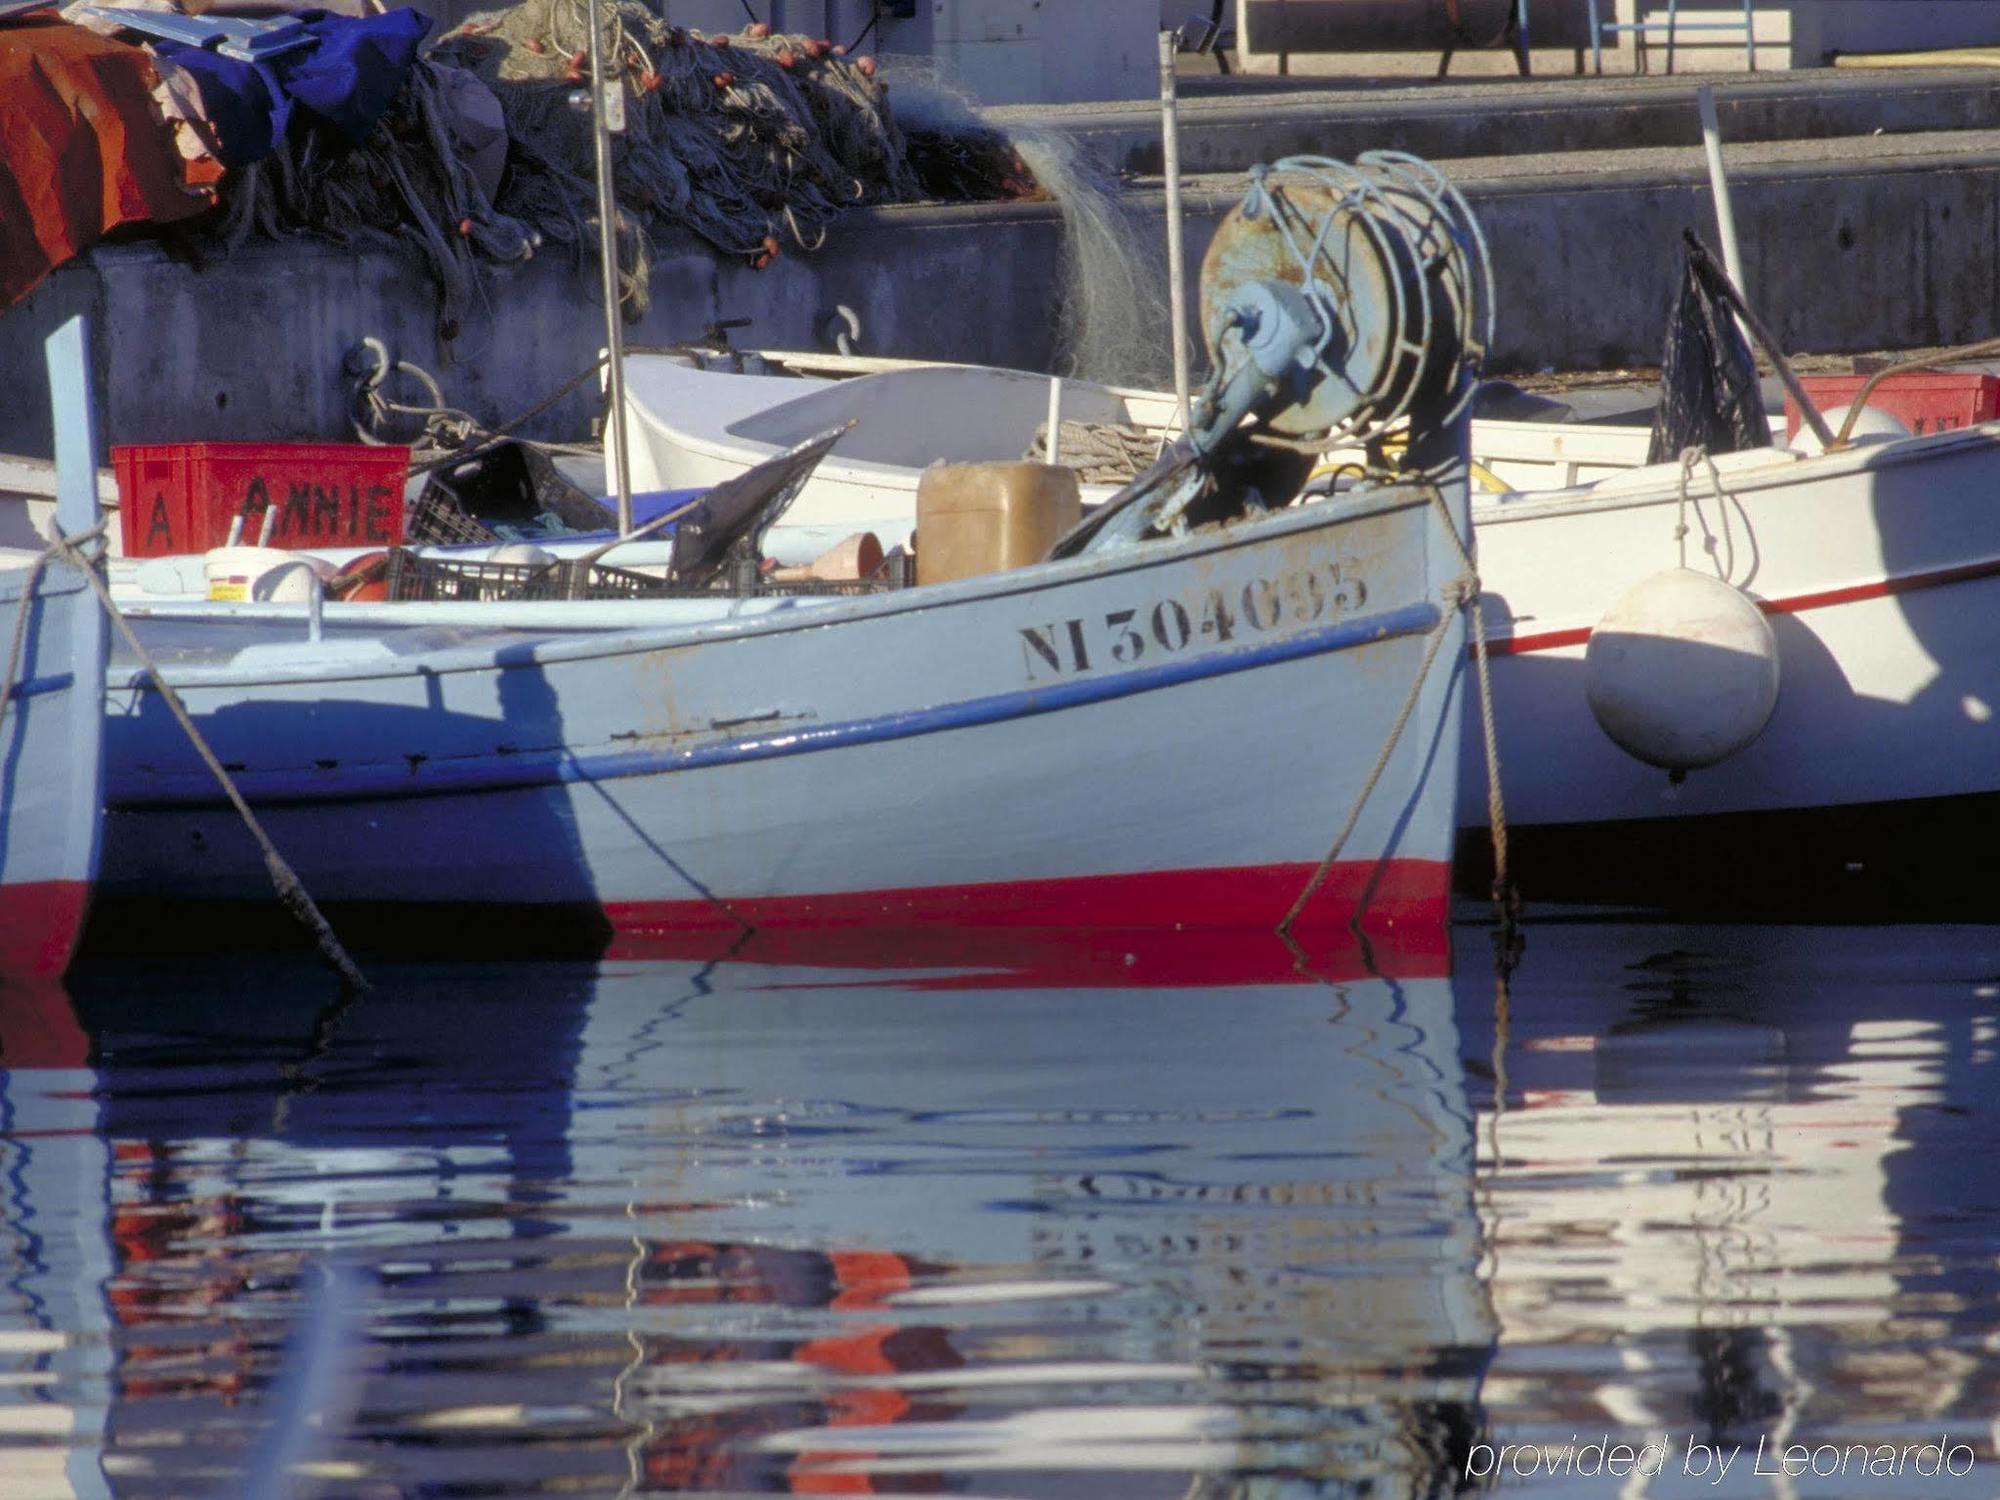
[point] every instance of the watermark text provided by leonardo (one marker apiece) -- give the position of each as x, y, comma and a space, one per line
1491, 1464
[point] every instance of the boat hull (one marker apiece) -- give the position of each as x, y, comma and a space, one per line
1934, 858
1170, 734
50, 771
1879, 571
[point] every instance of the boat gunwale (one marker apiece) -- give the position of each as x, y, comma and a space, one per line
1538, 505
1488, 508
801, 612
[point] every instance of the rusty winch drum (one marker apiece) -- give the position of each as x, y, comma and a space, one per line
1394, 262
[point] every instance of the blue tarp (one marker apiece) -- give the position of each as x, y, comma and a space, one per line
347, 78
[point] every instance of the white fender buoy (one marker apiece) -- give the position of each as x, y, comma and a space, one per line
1682, 672
1873, 425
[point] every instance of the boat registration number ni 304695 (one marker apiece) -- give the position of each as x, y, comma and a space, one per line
1163, 628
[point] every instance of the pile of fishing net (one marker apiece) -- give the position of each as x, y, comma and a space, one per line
411, 181
754, 142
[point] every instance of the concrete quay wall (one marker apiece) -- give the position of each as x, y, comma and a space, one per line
1233, 130
1884, 243
251, 347
1892, 243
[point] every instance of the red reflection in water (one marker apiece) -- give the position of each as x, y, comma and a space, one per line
719, 1450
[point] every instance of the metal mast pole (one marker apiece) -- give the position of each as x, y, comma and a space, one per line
607, 113
1718, 186
1170, 144
1718, 183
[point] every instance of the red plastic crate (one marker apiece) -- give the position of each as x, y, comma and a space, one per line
181, 497
1923, 400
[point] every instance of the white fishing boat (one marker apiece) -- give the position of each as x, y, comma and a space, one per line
1197, 713
1875, 565
1876, 570
1059, 745
51, 718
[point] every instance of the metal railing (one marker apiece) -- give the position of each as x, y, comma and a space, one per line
1672, 23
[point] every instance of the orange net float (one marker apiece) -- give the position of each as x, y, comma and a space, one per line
364, 580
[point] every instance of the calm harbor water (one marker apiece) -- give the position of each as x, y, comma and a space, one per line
1118, 1219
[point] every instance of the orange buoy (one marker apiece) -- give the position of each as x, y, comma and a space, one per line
365, 580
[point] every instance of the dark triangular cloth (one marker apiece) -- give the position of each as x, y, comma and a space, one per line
1709, 395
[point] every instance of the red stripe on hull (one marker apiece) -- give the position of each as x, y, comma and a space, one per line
1167, 927
1555, 640
39, 923
39, 1028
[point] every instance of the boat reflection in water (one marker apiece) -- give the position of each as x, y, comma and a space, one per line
56, 1349
1737, 1180
1046, 1225
1092, 1217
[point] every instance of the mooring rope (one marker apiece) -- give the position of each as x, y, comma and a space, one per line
1725, 567
645, 1428
1506, 900
1461, 592
1433, 642
291, 891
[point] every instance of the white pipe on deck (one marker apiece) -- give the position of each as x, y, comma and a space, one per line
1170, 140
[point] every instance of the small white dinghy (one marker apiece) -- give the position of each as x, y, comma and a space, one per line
698, 417
691, 426
28, 503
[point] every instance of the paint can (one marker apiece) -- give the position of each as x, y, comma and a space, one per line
233, 572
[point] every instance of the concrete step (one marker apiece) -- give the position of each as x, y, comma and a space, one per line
1245, 122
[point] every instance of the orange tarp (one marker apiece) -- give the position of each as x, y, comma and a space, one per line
83, 149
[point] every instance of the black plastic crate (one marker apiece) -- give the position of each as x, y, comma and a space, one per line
413, 577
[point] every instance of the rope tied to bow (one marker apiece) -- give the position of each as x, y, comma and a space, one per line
290, 889
1459, 593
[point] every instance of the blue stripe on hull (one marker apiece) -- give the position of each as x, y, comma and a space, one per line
435, 778
36, 687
